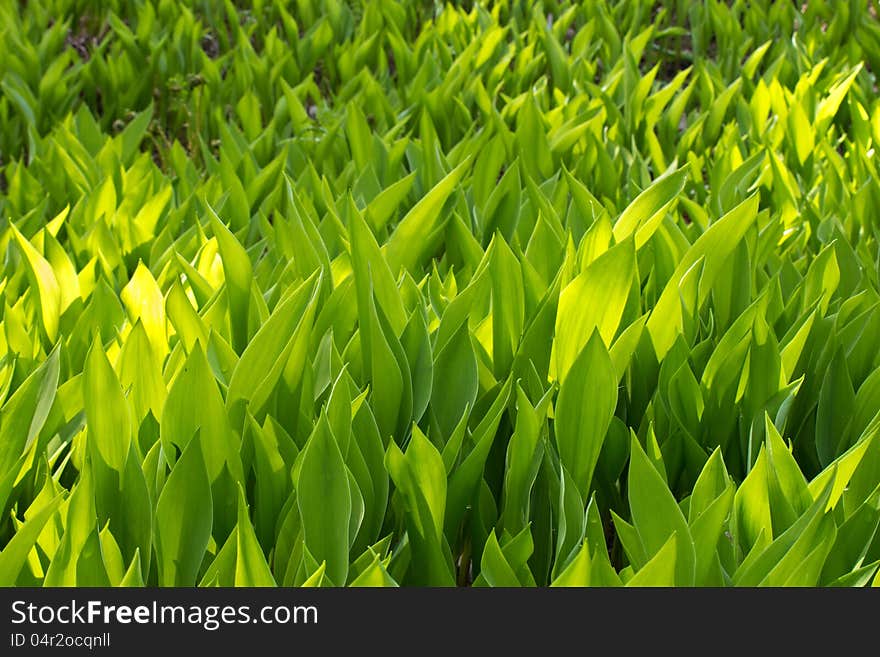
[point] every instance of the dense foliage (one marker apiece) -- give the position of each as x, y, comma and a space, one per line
378, 293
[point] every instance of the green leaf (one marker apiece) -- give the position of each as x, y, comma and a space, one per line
374, 575
846, 466
642, 217
789, 495
713, 246
134, 132
784, 555
107, 411
143, 300
524, 455
184, 414
251, 568
23, 415
133, 575
752, 503
854, 538
79, 526
420, 223
494, 567
508, 305
595, 299
836, 405
140, 372
371, 271
324, 501
829, 105
657, 516
183, 530
577, 573
238, 273
43, 280
801, 132
707, 529
380, 210
587, 398
465, 479
386, 368
662, 569
420, 477
15, 553
455, 383
261, 365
